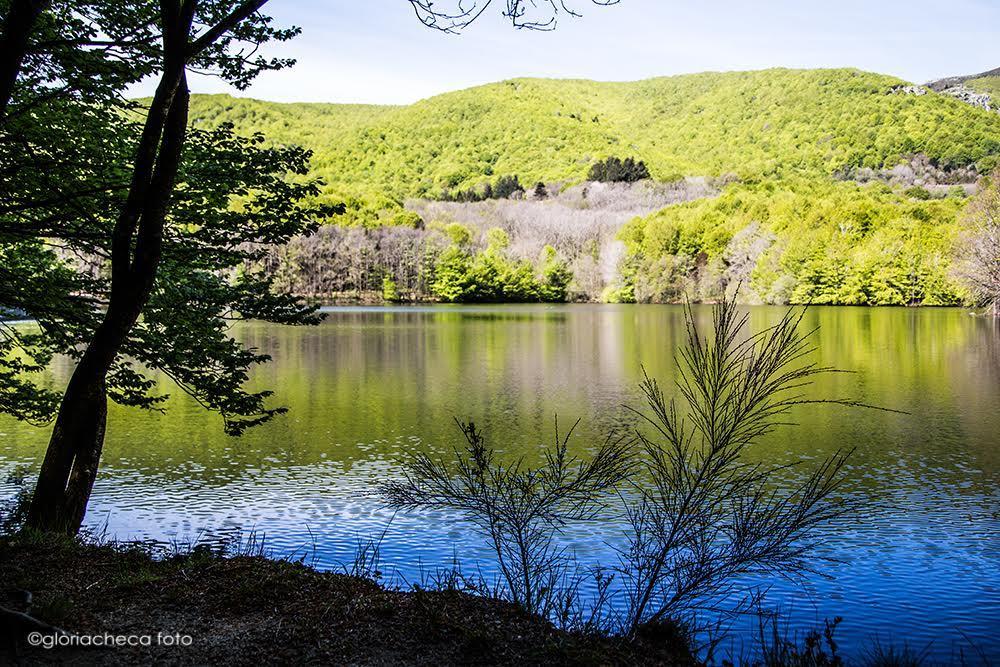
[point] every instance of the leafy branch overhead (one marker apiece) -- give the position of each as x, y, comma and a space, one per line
234, 198
146, 232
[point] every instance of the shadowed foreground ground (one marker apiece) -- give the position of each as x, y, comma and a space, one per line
252, 610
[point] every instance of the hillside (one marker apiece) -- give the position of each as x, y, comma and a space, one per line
759, 166
753, 124
316, 125
812, 242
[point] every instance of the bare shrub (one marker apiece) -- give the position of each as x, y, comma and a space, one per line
520, 510
701, 517
339, 260
915, 170
708, 517
978, 260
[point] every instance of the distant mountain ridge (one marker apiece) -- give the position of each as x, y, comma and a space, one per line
978, 90
952, 81
816, 186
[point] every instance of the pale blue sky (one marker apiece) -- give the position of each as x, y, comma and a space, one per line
377, 51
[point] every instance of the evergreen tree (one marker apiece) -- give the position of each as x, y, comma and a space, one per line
507, 187
615, 170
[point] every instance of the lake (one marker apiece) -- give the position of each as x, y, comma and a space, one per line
371, 385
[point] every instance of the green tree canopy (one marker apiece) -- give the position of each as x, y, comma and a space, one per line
126, 237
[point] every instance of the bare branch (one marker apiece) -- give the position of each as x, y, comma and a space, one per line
523, 14
519, 510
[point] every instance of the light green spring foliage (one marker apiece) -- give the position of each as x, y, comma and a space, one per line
491, 276
318, 127
989, 85
785, 133
390, 291
753, 124
828, 243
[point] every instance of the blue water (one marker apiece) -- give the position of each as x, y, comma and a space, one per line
920, 565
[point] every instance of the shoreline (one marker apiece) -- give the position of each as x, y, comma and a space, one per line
388, 305
206, 607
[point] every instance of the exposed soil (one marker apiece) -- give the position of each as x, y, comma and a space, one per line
256, 611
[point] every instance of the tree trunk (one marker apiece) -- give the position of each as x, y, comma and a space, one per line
17, 29
72, 458
69, 469
71, 461
70, 466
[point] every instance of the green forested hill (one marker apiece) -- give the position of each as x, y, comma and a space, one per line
287, 123
800, 242
753, 124
790, 229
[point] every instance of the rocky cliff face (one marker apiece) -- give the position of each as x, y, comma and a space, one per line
943, 85
969, 96
957, 88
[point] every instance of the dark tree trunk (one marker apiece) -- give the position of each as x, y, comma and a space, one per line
69, 469
71, 461
70, 464
17, 29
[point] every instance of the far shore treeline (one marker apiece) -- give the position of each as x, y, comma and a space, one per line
820, 186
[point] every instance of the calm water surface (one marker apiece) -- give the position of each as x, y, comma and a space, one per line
369, 386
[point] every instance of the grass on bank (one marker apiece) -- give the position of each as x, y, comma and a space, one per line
248, 609
243, 608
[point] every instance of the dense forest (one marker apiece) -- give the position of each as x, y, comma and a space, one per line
816, 242
788, 149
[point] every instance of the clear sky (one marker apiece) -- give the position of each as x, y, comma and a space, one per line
377, 51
